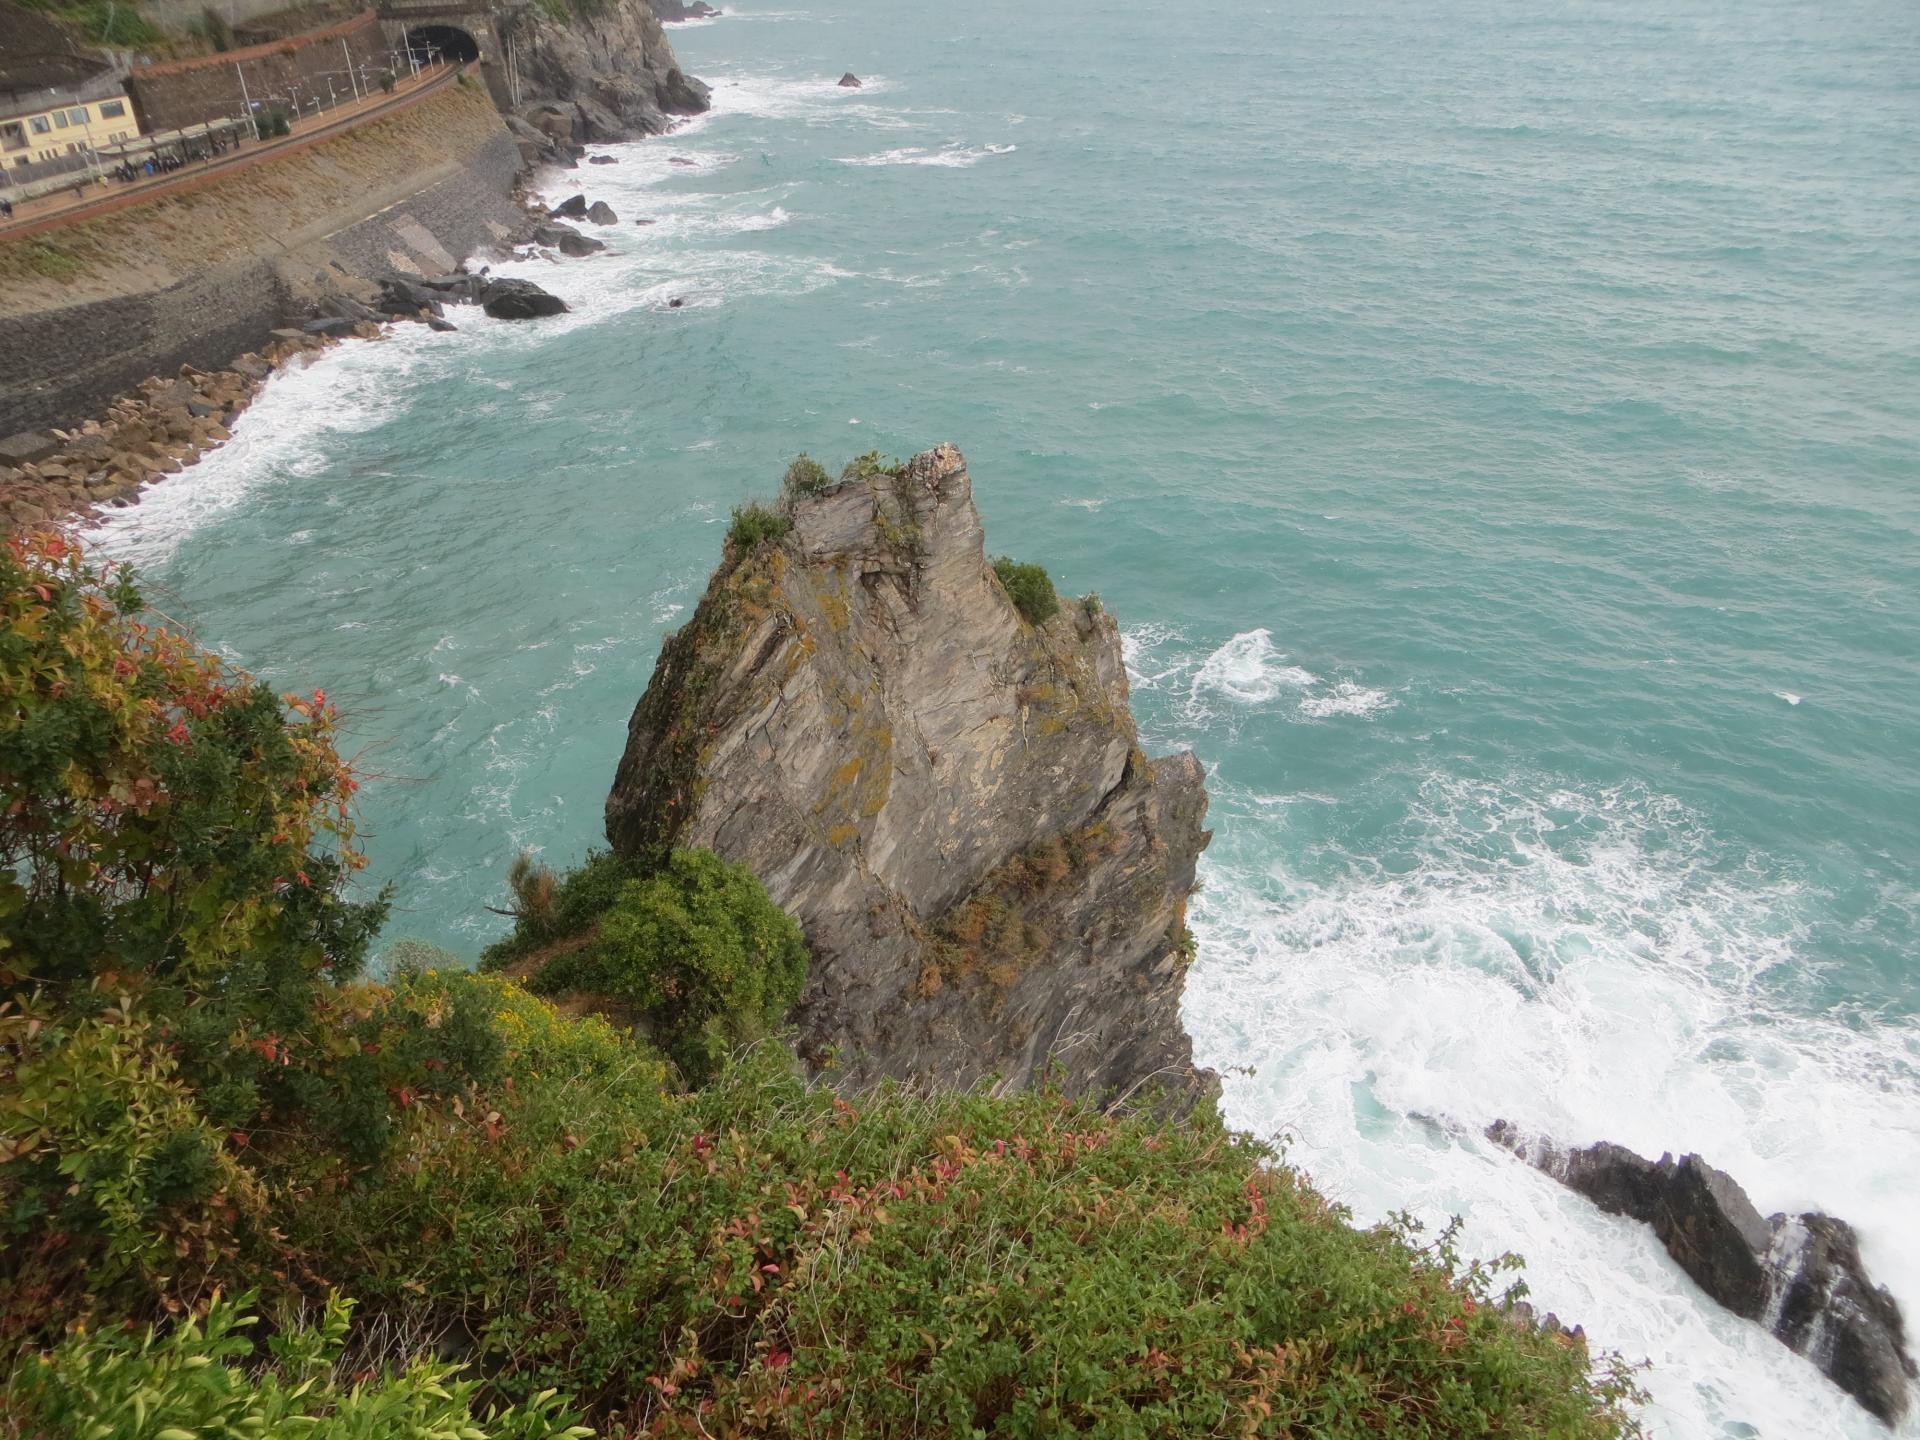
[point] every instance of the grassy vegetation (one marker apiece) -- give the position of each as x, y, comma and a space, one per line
104, 22
38, 259
203, 1094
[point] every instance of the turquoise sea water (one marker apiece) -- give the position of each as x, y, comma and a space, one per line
1497, 428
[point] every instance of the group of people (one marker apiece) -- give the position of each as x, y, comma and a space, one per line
126, 171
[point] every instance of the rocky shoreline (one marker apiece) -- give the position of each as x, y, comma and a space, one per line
1799, 1277
71, 475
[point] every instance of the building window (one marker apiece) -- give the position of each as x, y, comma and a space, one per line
112, 109
59, 119
78, 117
41, 125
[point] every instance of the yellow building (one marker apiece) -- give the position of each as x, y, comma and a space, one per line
33, 136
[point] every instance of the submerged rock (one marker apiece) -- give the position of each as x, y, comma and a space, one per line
992, 877
519, 300
1799, 1276
602, 160
849, 81
601, 213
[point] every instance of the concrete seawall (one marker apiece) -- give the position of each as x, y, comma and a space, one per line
88, 311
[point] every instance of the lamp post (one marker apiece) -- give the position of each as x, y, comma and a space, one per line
245, 99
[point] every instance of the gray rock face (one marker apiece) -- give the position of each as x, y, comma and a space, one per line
601, 213
675, 11
611, 75
952, 802
1799, 1276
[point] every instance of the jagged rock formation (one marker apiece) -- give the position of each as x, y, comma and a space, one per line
951, 801
608, 73
1799, 1276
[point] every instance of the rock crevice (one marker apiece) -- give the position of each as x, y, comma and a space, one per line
992, 876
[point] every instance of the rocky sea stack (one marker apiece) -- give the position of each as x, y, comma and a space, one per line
951, 800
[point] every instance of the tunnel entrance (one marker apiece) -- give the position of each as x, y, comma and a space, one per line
428, 43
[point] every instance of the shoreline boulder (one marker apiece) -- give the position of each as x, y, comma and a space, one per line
1800, 1277
519, 300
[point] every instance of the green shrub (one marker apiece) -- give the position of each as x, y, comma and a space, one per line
753, 523
759, 1258
272, 122
871, 466
546, 910
199, 1379
182, 1023
701, 951
1030, 588
805, 476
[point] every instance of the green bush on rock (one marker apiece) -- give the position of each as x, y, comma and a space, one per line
753, 523
1030, 588
805, 476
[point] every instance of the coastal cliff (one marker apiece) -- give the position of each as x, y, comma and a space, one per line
951, 800
606, 73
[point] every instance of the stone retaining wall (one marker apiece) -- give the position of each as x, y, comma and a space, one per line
178, 93
202, 280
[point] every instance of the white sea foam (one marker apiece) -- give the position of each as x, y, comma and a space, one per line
1249, 671
1345, 697
953, 156
284, 438
1788, 696
1589, 964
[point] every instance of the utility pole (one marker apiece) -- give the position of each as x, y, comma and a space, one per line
245, 99
351, 77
